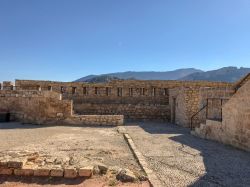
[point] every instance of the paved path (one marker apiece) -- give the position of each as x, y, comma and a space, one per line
180, 159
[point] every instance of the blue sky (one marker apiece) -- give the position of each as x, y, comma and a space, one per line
67, 39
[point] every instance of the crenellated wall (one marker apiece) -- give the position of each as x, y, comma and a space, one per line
136, 100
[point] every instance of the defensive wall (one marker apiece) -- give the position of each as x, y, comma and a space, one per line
136, 100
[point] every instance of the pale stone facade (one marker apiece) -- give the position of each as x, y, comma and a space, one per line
234, 126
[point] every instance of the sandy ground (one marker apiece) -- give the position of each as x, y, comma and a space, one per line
180, 159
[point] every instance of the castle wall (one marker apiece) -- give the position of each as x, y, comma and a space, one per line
136, 100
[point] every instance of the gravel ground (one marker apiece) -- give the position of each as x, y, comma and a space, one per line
180, 159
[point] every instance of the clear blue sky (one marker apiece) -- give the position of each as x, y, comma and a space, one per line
67, 39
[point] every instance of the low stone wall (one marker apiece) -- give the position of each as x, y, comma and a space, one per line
130, 112
102, 120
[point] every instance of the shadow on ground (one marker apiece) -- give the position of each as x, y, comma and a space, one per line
224, 164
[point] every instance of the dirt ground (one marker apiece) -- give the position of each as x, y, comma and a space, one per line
180, 159
76, 146
13, 181
84, 145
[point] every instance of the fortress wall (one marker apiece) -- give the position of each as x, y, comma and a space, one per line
139, 100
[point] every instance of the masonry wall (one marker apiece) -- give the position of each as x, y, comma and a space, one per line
235, 126
186, 104
34, 106
136, 100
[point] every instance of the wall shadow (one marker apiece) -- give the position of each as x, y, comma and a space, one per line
224, 164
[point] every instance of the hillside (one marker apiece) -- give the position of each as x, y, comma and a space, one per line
151, 75
226, 74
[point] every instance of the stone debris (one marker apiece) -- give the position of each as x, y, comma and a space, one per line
126, 175
42, 165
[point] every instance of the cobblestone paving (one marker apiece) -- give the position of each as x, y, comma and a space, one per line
180, 159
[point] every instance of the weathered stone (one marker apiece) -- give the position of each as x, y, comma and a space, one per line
42, 172
16, 163
102, 168
6, 171
86, 171
24, 172
70, 173
126, 175
56, 172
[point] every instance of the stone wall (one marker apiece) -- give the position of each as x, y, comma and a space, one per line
34, 106
189, 101
184, 102
235, 127
130, 112
47, 107
136, 100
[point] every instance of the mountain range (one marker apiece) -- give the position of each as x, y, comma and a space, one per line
226, 74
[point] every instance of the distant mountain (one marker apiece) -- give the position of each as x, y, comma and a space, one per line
144, 75
101, 79
226, 74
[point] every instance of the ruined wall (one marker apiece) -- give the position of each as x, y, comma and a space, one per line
138, 100
235, 126
34, 106
47, 107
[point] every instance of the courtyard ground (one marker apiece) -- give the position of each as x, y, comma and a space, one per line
74, 145
180, 159
176, 157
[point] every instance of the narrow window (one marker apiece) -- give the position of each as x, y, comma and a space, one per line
84, 91
165, 91
130, 91
108, 91
119, 92
153, 91
73, 90
50, 88
62, 89
142, 91
96, 90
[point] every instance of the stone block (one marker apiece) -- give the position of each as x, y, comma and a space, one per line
24, 172
6, 171
18, 163
56, 172
70, 173
86, 171
42, 172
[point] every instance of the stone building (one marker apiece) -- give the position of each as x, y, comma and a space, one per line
200, 105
